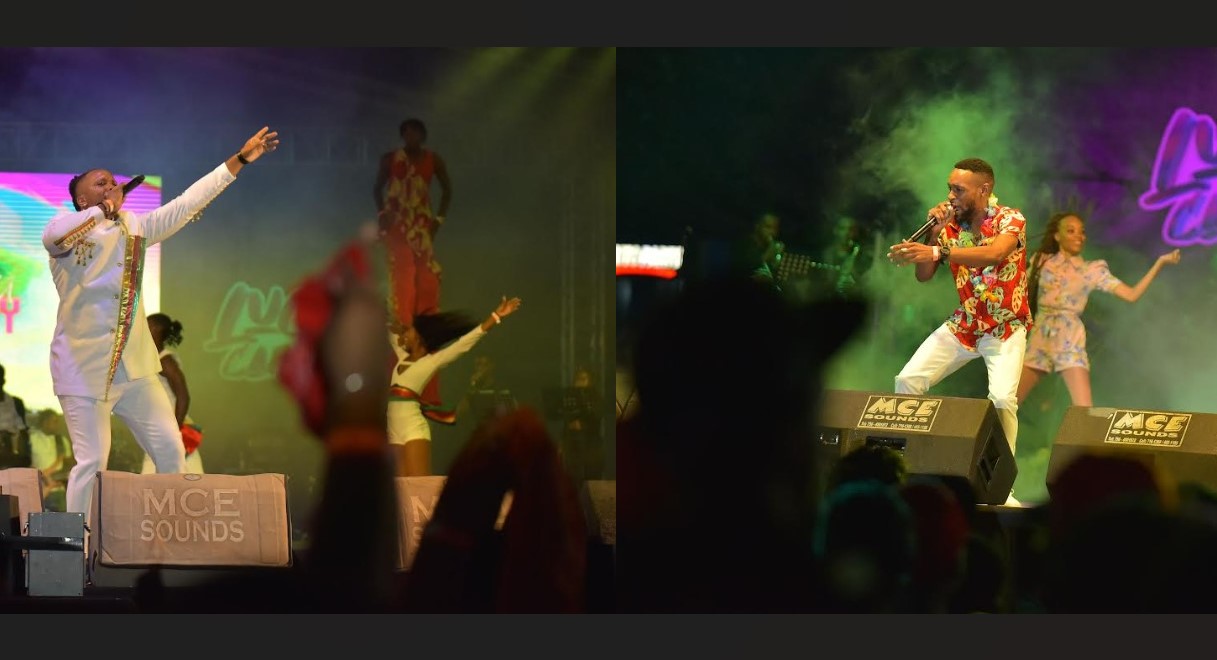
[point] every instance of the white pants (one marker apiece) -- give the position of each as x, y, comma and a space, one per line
194, 463
941, 355
145, 407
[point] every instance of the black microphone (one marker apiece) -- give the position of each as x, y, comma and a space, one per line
132, 184
921, 231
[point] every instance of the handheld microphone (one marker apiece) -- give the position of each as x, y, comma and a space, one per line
921, 231
132, 184
929, 222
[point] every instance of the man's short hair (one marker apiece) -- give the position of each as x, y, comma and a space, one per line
976, 165
72, 187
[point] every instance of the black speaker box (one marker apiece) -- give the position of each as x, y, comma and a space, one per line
1181, 444
938, 435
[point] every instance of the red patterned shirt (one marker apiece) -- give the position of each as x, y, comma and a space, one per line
993, 299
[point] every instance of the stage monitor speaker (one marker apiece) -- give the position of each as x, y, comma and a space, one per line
26, 485
416, 501
938, 435
56, 572
198, 525
1181, 444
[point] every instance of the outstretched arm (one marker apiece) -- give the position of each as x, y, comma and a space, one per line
506, 308
422, 368
980, 256
1131, 294
418, 374
163, 222
262, 142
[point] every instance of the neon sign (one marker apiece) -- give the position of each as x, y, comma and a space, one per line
1183, 179
249, 331
650, 260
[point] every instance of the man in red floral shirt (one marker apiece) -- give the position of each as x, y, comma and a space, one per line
985, 246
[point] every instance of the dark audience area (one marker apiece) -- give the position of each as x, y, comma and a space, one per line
727, 507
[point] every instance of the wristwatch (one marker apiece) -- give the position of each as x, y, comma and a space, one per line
944, 254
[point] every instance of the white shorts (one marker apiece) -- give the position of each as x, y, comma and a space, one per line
406, 422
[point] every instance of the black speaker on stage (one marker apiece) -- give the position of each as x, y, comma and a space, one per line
1182, 444
938, 435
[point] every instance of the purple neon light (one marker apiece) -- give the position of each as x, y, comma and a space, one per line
1183, 180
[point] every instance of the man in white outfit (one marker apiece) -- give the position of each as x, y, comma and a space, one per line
103, 358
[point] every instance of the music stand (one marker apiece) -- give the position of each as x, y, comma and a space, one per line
795, 266
566, 403
484, 403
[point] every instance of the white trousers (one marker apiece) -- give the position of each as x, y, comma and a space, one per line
194, 463
145, 407
941, 355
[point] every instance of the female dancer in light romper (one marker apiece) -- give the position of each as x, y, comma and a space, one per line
1060, 285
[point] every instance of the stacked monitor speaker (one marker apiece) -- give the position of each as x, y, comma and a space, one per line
938, 435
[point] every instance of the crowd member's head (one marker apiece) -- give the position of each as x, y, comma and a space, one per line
728, 386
